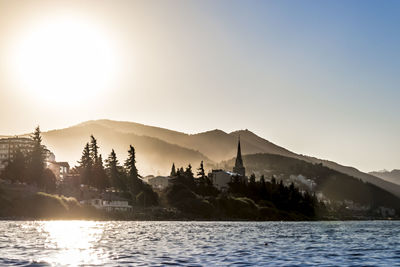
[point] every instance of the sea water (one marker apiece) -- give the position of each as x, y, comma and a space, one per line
116, 243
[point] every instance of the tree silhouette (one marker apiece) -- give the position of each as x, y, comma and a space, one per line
200, 171
134, 182
94, 148
101, 180
173, 171
114, 171
36, 159
86, 165
15, 171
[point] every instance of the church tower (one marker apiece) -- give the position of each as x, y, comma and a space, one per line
239, 168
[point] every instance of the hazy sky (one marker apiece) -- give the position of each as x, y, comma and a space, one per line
317, 77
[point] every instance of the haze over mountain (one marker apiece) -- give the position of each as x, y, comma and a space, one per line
157, 148
390, 176
153, 155
332, 184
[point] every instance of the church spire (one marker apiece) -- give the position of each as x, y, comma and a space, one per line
239, 168
239, 160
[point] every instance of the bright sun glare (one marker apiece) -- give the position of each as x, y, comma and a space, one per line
64, 59
73, 242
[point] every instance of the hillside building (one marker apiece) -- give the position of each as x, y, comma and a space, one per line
221, 178
159, 182
109, 205
60, 169
10, 146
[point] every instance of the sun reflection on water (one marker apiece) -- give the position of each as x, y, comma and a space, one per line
73, 242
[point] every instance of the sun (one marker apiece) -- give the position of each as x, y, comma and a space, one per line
64, 59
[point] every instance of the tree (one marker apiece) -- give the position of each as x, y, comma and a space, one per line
200, 171
94, 148
188, 171
36, 159
86, 165
15, 171
142, 193
133, 177
114, 172
173, 171
49, 181
252, 179
101, 180
204, 183
263, 188
130, 163
262, 180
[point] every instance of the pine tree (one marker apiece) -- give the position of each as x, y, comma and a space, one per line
262, 180
114, 172
37, 159
100, 175
94, 148
173, 171
37, 135
252, 179
86, 165
263, 187
200, 171
130, 163
134, 183
188, 171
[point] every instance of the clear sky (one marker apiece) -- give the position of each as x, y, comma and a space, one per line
317, 77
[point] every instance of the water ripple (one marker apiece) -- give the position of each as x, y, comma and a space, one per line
74, 243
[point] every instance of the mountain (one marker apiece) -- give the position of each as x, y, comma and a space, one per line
351, 171
158, 147
216, 144
390, 176
332, 184
152, 154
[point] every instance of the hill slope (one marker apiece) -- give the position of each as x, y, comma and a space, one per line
333, 184
181, 148
153, 155
392, 176
216, 144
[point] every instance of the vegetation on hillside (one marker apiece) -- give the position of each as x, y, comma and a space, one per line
124, 180
334, 185
197, 197
191, 193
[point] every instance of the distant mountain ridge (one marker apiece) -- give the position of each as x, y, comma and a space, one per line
158, 147
390, 176
332, 184
153, 154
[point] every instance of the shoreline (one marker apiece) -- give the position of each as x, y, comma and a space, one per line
188, 220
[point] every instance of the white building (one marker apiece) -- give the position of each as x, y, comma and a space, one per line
115, 204
60, 169
221, 178
10, 146
159, 182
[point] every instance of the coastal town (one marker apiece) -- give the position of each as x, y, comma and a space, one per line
66, 180
113, 188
